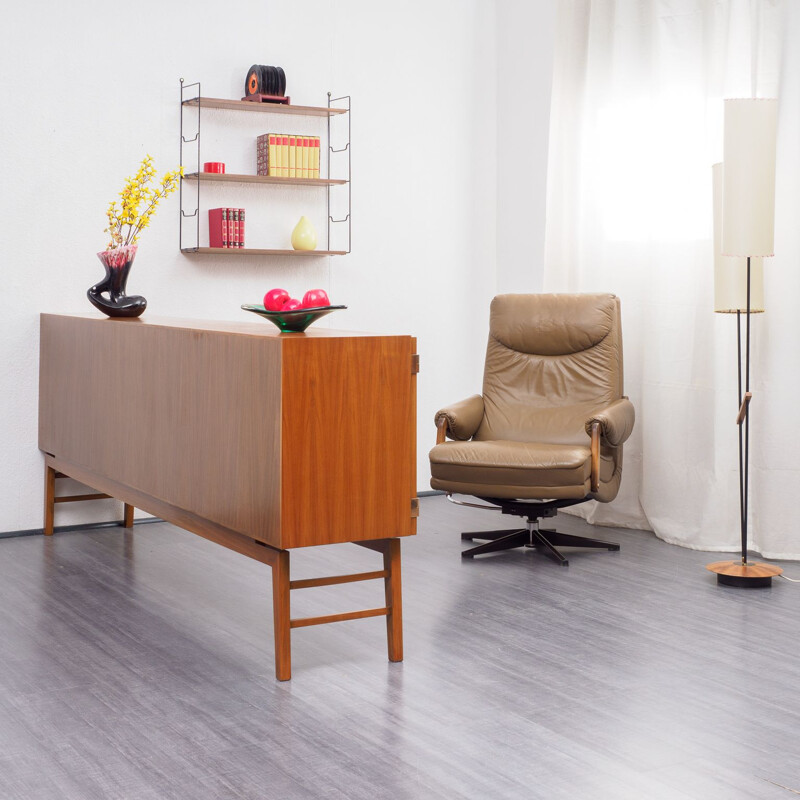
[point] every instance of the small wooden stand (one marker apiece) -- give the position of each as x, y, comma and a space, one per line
269, 98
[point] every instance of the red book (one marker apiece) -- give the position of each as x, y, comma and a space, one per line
231, 228
235, 212
241, 227
217, 227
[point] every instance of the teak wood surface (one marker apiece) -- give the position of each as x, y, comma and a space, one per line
348, 441
259, 441
738, 570
229, 177
264, 108
256, 251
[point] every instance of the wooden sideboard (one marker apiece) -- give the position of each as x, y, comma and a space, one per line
257, 440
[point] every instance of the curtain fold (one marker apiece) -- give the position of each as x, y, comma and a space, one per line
636, 124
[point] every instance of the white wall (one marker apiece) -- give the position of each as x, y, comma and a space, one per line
525, 38
86, 93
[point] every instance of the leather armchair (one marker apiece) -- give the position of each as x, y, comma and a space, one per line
548, 429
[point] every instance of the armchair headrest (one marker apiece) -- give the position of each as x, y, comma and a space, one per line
552, 324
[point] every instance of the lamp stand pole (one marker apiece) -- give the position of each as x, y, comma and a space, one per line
743, 573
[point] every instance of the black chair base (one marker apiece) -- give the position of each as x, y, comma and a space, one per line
548, 541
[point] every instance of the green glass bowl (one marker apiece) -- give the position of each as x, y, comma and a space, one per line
292, 321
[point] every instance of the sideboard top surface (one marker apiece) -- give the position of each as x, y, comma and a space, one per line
219, 326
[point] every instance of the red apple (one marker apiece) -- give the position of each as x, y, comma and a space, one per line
276, 299
315, 298
292, 305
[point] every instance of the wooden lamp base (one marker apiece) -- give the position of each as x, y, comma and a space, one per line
749, 576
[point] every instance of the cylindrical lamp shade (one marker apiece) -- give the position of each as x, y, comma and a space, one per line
748, 217
730, 286
730, 272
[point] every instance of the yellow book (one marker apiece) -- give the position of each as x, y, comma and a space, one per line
315, 160
306, 153
285, 156
300, 148
293, 157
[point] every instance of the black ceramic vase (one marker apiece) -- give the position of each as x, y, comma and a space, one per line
109, 295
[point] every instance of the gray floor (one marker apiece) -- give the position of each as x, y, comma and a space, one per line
139, 665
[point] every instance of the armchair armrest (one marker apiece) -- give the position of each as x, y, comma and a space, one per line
615, 421
460, 420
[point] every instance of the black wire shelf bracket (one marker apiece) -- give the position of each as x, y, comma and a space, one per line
184, 214
349, 154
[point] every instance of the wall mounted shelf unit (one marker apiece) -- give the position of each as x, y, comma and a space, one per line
197, 103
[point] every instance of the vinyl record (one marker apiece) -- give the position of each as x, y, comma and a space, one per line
263, 79
253, 81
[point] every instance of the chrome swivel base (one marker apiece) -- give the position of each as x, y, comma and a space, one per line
531, 536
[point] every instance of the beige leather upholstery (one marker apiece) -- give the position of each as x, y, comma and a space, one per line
553, 367
463, 418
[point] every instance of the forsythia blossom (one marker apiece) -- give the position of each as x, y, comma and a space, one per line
139, 202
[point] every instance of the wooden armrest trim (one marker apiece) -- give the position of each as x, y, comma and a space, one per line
595, 477
441, 430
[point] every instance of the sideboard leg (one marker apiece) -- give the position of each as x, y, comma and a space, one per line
49, 499
280, 612
394, 600
127, 516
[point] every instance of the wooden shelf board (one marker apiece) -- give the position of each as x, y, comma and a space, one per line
226, 177
251, 251
270, 108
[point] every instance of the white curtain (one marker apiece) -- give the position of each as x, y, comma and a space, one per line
636, 124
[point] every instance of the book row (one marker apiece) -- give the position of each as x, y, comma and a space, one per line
226, 227
284, 155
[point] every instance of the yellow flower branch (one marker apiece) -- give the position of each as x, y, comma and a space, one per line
125, 223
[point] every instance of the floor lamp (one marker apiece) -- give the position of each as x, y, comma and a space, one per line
744, 201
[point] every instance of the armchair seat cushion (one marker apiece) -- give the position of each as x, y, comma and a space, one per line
516, 470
